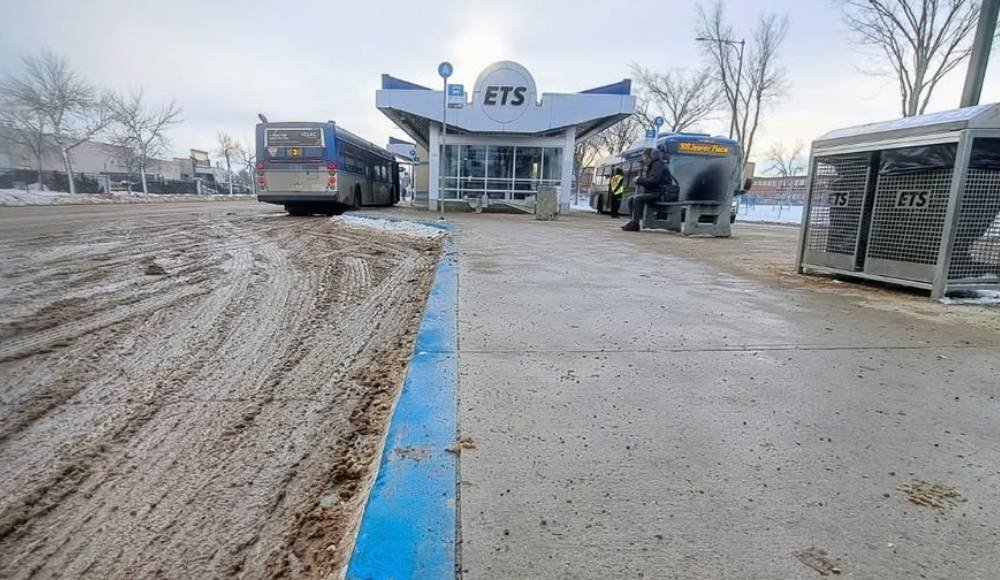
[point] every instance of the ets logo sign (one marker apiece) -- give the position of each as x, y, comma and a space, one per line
504, 91
499, 95
913, 199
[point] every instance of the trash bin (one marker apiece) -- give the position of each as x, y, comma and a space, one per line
546, 203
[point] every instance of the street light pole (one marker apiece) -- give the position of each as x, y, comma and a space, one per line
739, 74
739, 79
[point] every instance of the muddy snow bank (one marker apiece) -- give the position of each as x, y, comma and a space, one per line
19, 197
405, 228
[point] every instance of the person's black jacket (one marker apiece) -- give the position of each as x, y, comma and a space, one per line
657, 178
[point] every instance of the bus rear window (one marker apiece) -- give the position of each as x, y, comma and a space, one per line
295, 137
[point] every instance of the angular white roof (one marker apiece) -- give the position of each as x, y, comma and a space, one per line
504, 100
978, 117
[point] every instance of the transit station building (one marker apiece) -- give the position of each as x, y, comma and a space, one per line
504, 139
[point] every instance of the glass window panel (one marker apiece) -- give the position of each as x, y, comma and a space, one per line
499, 184
552, 166
473, 161
474, 186
528, 162
501, 162
449, 165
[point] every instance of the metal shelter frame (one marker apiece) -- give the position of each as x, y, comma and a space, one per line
936, 229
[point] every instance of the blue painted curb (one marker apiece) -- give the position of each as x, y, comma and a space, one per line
408, 526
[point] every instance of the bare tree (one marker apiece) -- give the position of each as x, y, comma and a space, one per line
247, 155
72, 109
787, 163
25, 127
922, 41
585, 152
683, 98
761, 81
227, 146
621, 135
142, 130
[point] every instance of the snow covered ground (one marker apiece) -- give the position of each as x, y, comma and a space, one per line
779, 214
976, 297
19, 197
406, 228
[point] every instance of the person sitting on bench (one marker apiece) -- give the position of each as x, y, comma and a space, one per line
656, 183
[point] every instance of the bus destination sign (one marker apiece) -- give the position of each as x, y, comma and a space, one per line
702, 148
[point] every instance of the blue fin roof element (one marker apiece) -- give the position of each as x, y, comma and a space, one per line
623, 87
390, 82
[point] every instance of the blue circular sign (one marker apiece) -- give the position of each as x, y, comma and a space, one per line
658, 121
445, 69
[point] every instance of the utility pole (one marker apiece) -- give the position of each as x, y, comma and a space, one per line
981, 47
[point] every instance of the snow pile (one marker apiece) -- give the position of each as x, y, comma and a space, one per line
405, 228
581, 203
980, 297
778, 214
19, 197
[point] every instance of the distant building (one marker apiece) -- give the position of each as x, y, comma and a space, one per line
779, 189
106, 162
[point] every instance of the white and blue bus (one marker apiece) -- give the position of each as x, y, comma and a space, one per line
322, 168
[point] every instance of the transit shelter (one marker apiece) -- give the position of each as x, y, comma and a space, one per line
915, 201
503, 140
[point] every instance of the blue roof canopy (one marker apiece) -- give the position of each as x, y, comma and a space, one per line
623, 87
390, 82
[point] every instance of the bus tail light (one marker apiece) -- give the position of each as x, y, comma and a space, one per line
261, 180
331, 166
331, 182
260, 166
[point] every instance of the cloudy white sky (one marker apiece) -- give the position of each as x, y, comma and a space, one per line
225, 61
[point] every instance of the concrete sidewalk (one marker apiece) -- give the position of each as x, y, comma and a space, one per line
651, 406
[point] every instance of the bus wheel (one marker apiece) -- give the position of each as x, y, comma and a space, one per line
296, 209
333, 209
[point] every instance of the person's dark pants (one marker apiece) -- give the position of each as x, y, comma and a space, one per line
616, 204
639, 203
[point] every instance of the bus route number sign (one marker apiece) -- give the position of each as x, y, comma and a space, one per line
702, 148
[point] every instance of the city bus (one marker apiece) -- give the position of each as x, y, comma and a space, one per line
705, 167
322, 168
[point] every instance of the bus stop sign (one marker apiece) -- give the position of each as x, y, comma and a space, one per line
650, 133
456, 96
445, 69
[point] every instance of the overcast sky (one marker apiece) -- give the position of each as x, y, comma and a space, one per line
317, 60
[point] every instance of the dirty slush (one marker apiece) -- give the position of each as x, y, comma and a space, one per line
195, 396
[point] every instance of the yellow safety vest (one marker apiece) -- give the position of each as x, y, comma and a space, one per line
617, 184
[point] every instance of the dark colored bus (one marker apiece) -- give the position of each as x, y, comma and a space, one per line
705, 167
322, 168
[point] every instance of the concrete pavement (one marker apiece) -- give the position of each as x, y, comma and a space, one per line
651, 406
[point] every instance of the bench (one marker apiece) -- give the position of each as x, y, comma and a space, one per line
690, 218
